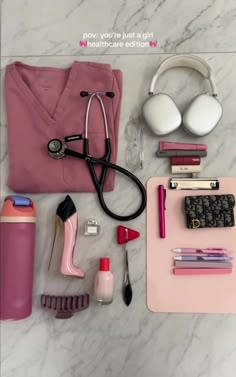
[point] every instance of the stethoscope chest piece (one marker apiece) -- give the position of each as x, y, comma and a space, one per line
56, 149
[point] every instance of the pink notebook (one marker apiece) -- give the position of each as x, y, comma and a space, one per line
186, 294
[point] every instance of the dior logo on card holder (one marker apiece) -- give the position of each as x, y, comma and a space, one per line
210, 211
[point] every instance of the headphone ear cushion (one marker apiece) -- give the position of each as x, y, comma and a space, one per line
202, 115
161, 114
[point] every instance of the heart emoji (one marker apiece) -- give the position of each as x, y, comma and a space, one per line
83, 43
153, 43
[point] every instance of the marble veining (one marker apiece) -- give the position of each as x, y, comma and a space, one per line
35, 28
116, 341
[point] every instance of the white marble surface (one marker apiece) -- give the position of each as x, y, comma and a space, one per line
116, 341
55, 27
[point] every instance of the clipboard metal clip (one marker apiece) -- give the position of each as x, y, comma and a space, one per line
194, 184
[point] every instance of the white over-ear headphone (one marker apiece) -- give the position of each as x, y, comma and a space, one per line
202, 115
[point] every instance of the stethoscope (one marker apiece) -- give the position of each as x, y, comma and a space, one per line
58, 149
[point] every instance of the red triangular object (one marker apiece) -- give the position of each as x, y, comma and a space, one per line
121, 234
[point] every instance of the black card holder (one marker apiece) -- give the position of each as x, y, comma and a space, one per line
210, 211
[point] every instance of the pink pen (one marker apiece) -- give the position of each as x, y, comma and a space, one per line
170, 146
209, 250
161, 203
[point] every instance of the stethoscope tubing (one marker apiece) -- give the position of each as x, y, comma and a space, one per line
98, 96
99, 186
104, 161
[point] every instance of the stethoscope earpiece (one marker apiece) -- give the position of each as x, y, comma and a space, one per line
84, 93
110, 94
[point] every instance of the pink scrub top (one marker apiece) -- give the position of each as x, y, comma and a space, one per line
44, 103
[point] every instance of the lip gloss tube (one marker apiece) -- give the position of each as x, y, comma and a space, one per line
185, 160
175, 169
170, 146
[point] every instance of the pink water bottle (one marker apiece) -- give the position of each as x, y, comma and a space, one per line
17, 244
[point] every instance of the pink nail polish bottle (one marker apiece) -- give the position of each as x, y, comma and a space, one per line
104, 283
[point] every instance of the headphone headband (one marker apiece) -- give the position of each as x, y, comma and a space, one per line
189, 61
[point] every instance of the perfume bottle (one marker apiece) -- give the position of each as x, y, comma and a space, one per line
92, 228
104, 283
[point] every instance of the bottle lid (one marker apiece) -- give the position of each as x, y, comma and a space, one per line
17, 209
104, 264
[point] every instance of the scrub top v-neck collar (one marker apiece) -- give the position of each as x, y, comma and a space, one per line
52, 120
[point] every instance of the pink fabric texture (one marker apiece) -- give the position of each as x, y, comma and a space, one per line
44, 103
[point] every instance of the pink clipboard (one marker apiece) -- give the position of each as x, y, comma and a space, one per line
186, 294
